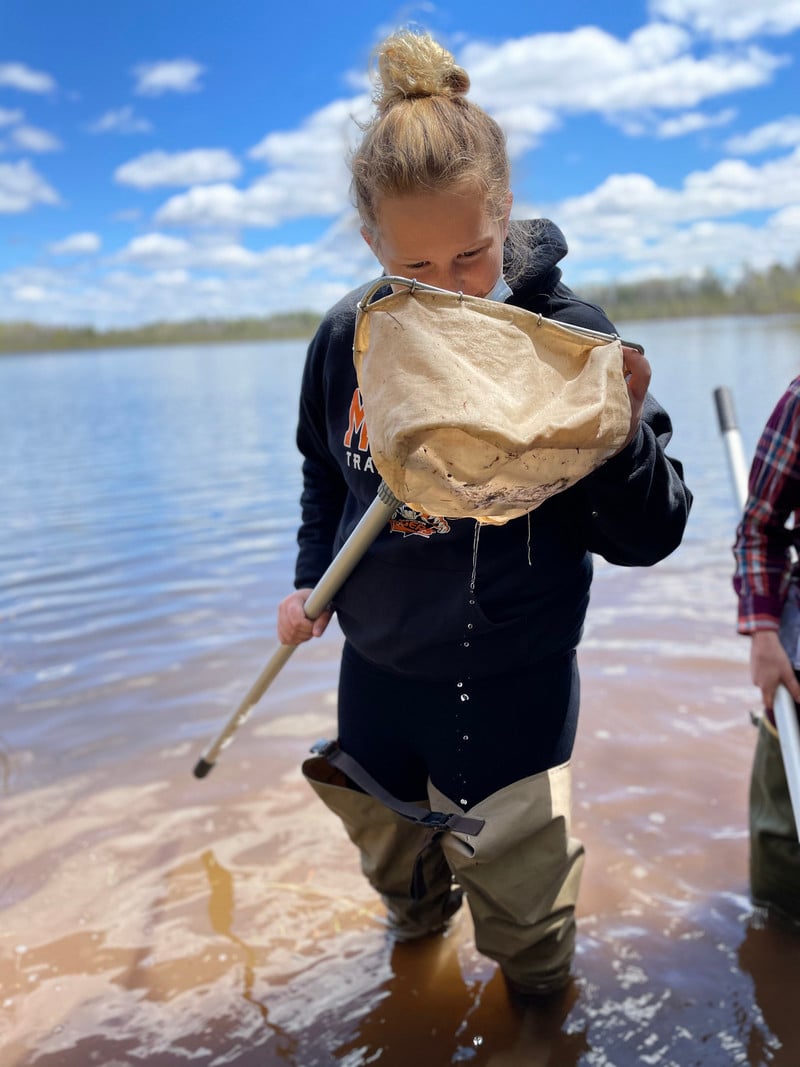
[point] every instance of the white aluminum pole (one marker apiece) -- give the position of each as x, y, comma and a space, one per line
785, 712
371, 523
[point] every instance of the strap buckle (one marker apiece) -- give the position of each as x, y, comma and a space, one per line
324, 748
438, 820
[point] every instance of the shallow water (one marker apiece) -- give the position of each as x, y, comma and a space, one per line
148, 505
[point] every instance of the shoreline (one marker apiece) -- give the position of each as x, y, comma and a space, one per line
87, 339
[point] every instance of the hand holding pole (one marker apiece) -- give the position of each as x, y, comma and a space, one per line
372, 522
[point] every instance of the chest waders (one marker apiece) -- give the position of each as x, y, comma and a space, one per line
519, 867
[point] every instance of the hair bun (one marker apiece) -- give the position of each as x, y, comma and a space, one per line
414, 64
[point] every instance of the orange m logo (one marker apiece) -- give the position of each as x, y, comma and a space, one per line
357, 423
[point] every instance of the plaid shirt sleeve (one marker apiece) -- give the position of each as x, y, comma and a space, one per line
762, 543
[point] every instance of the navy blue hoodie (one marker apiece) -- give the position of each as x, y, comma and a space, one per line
422, 601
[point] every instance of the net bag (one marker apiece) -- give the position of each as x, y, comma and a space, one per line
476, 409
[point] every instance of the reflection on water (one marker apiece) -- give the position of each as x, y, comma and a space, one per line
148, 506
220, 913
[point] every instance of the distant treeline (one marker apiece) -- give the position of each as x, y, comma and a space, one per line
769, 292
31, 337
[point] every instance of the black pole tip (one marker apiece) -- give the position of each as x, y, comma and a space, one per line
202, 767
726, 415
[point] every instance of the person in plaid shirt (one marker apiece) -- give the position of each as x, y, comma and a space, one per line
768, 588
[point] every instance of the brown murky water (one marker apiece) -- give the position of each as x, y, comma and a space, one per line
150, 917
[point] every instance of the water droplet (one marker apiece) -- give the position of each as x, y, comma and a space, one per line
464, 802
477, 1041
460, 685
465, 737
464, 698
466, 644
470, 626
475, 540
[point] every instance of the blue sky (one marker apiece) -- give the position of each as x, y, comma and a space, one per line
166, 159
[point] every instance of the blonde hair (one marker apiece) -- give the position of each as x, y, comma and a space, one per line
425, 134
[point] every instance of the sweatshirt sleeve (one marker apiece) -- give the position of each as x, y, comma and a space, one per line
324, 490
637, 502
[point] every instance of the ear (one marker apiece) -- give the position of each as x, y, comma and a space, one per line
372, 240
369, 239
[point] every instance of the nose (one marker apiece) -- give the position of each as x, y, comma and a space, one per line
449, 278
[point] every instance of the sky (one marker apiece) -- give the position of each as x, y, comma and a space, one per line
182, 159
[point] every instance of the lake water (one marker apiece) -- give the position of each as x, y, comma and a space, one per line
148, 508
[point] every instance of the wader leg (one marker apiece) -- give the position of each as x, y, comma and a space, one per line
521, 878
774, 848
390, 846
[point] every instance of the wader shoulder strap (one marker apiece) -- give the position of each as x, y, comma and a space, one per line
434, 820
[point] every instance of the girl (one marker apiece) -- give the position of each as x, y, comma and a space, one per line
460, 695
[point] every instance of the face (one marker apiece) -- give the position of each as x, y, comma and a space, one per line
446, 239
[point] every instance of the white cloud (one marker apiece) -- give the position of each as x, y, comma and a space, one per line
324, 134
309, 176
725, 248
733, 20
630, 219
19, 76
733, 186
195, 167
783, 133
788, 219
172, 279
76, 244
693, 122
158, 250
22, 187
168, 76
264, 204
8, 118
30, 294
161, 277
46, 295
129, 296
210, 205
123, 120
32, 139
648, 124
635, 204
589, 70
154, 248
524, 126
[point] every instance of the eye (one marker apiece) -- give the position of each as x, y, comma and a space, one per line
417, 266
468, 255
